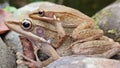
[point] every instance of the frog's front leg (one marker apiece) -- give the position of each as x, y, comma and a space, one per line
86, 31
59, 28
30, 53
29, 62
47, 49
50, 51
61, 33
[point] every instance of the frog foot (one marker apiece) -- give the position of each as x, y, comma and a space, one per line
29, 62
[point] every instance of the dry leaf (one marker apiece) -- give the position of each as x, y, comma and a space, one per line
3, 15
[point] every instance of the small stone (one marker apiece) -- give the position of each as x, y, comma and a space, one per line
7, 57
12, 40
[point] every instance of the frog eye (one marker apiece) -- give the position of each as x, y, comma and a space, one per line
26, 24
41, 12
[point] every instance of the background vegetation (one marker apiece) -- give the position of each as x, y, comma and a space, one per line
88, 7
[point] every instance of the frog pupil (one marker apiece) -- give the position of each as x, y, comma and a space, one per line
26, 24
40, 12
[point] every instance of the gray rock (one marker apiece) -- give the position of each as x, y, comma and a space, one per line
21, 66
84, 62
7, 57
108, 19
12, 40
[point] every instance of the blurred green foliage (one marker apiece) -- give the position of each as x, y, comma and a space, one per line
10, 9
89, 7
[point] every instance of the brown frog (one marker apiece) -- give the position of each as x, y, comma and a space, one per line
82, 26
78, 26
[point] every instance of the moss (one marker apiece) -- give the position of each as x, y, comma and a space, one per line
106, 12
96, 23
112, 31
104, 24
117, 38
96, 18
